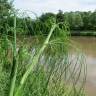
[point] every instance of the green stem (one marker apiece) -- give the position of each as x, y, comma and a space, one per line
15, 65
35, 61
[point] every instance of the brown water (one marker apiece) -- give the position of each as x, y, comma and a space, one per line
88, 45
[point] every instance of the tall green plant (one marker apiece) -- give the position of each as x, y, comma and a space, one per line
15, 65
35, 61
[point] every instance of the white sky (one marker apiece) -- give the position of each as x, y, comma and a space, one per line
42, 6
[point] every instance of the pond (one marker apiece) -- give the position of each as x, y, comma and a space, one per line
88, 46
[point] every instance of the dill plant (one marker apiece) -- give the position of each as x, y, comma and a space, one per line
46, 68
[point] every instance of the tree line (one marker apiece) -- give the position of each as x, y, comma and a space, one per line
76, 21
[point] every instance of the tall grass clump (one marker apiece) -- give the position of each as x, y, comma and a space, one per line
45, 67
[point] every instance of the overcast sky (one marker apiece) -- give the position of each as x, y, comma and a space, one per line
42, 6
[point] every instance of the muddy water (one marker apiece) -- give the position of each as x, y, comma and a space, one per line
88, 45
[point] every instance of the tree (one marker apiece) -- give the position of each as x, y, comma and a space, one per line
86, 20
78, 21
47, 16
60, 16
93, 20
5, 7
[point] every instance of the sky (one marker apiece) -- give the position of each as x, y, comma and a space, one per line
43, 6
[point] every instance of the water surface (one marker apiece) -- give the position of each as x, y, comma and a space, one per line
88, 46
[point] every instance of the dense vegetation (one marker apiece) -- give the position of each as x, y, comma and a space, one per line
43, 68
80, 23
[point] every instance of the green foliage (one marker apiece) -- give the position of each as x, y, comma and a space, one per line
45, 69
5, 8
60, 16
41, 25
93, 20
75, 20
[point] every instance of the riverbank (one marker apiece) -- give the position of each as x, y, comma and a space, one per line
83, 33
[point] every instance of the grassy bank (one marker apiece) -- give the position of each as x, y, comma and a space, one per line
83, 33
